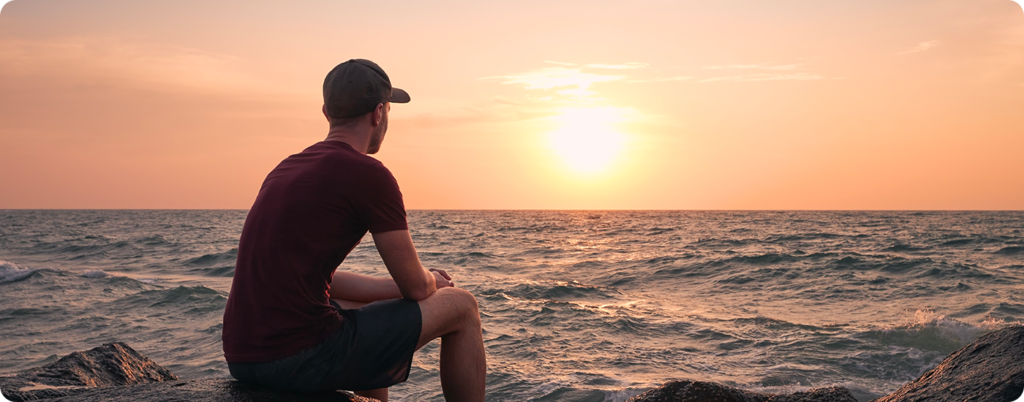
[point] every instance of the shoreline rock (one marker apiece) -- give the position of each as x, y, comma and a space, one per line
701, 391
116, 372
989, 369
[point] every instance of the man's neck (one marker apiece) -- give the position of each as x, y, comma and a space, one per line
355, 138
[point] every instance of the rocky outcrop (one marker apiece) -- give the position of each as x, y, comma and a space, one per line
116, 372
700, 391
206, 390
110, 365
989, 369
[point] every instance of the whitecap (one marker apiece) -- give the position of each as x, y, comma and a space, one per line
952, 329
96, 274
9, 272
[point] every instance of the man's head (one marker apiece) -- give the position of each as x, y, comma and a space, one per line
356, 87
358, 95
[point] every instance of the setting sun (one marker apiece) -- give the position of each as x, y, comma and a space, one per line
587, 139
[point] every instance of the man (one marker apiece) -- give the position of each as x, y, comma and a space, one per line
292, 321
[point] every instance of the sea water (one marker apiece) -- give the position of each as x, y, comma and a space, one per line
576, 305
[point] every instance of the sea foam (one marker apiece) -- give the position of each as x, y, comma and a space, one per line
96, 274
9, 272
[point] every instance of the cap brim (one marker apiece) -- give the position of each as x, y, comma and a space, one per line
399, 96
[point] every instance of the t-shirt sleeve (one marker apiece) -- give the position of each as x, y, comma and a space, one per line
378, 200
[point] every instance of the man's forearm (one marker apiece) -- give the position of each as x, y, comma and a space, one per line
399, 255
363, 288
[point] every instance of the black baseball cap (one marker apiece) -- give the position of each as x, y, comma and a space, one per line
356, 87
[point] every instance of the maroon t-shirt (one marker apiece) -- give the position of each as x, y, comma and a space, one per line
312, 210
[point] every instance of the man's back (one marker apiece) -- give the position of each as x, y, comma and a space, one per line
311, 211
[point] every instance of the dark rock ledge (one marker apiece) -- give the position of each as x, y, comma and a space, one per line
991, 369
116, 372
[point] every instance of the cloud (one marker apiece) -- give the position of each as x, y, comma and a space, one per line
624, 66
773, 72
117, 61
767, 77
574, 81
920, 47
759, 66
666, 79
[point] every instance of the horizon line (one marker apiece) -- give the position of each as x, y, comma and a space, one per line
545, 210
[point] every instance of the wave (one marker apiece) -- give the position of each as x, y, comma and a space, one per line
9, 272
556, 290
154, 240
900, 247
213, 259
968, 240
579, 394
96, 274
918, 267
928, 330
218, 272
1012, 250
187, 300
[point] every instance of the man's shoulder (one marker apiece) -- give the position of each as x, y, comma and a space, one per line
336, 154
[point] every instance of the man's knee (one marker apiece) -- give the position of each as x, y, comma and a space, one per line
464, 301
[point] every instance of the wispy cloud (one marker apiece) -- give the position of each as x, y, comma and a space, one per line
575, 81
665, 79
767, 77
624, 66
572, 79
116, 61
920, 47
758, 66
620, 66
763, 72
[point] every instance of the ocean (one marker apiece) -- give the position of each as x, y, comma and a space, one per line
576, 305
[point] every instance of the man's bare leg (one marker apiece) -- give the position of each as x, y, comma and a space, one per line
380, 394
452, 315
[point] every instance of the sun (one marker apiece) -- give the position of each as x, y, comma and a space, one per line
586, 138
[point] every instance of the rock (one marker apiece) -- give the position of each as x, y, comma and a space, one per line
827, 394
989, 369
110, 365
204, 390
700, 391
116, 372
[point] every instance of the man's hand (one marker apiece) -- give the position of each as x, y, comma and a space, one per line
442, 279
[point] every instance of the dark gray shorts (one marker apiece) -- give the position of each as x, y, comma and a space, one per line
373, 349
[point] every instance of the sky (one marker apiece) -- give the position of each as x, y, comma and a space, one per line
700, 104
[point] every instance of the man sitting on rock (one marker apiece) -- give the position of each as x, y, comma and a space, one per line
293, 322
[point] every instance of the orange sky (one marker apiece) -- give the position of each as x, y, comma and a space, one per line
742, 104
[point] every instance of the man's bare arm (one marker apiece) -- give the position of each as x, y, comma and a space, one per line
362, 288
399, 255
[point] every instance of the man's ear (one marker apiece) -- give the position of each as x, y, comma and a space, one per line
378, 114
324, 109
